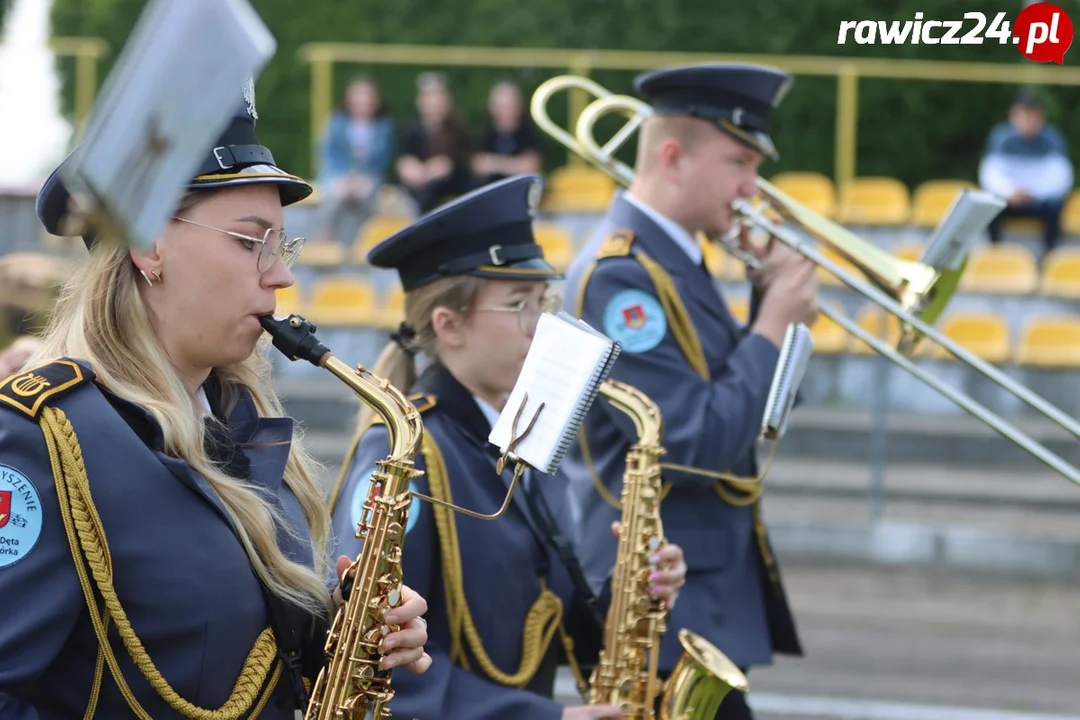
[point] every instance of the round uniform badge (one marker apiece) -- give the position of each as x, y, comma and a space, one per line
635, 319
360, 496
20, 516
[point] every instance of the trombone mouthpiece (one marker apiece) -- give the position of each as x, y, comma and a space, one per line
295, 338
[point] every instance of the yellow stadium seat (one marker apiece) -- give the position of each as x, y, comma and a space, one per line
374, 231
578, 188
1050, 342
985, 334
874, 201
909, 250
1023, 225
814, 190
721, 264
740, 308
715, 257
825, 277
1070, 214
322, 254
558, 243
289, 300
1009, 269
880, 324
829, 338
342, 300
391, 311
932, 199
1061, 272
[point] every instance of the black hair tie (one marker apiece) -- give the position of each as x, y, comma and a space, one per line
404, 336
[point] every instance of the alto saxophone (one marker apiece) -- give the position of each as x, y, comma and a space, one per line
351, 684
626, 675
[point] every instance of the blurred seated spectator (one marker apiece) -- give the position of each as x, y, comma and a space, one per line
355, 155
14, 357
508, 145
1027, 163
434, 161
29, 283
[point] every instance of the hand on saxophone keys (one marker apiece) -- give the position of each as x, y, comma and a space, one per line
668, 573
404, 647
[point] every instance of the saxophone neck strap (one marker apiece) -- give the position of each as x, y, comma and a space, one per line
564, 548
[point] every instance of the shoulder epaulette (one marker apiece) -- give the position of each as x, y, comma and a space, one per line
421, 401
29, 391
617, 245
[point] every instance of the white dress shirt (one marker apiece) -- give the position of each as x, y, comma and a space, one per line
675, 231
492, 416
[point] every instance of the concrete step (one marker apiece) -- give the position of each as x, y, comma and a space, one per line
923, 486
906, 644
817, 432
996, 521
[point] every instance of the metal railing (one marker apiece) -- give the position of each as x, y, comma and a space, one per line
87, 52
847, 71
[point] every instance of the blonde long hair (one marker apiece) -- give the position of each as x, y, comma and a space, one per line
398, 366
101, 318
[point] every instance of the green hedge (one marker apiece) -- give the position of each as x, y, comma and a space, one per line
914, 130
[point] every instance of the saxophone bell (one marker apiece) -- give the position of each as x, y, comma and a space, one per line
627, 674
700, 681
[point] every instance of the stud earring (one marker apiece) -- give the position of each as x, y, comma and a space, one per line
147, 277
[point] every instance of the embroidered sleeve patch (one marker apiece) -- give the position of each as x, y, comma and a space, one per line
360, 496
29, 390
635, 319
20, 516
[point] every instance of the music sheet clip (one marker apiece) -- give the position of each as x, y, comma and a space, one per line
970, 214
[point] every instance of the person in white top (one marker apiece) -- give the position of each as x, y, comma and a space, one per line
1027, 163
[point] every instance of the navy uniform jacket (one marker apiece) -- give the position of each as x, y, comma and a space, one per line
180, 572
502, 562
729, 597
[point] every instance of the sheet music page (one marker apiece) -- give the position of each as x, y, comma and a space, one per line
178, 82
559, 372
970, 214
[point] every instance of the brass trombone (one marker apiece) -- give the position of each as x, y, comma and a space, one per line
914, 292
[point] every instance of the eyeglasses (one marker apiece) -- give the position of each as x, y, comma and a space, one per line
528, 310
273, 244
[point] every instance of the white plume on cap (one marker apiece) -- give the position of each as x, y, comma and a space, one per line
249, 98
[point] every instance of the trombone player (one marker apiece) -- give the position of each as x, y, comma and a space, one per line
642, 280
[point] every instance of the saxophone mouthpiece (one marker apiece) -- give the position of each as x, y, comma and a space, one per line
295, 338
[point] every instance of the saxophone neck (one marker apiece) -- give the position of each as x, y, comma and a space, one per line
648, 420
295, 338
402, 419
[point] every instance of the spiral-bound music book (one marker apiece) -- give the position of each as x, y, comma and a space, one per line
566, 364
795, 354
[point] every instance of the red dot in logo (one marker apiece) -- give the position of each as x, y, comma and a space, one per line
1043, 33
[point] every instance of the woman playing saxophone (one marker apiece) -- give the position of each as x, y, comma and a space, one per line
504, 607
163, 543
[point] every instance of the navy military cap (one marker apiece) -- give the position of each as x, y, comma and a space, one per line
237, 158
486, 233
738, 99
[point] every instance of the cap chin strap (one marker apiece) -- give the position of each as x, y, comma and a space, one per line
497, 255
226, 157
